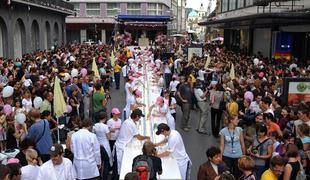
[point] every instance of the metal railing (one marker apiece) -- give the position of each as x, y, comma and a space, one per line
58, 4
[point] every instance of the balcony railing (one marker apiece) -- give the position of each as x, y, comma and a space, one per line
54, 4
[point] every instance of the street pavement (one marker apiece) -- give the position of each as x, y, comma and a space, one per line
196, 144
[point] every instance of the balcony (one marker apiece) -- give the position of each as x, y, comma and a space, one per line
54, 5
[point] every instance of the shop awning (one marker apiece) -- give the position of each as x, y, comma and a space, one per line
263, 19
143, 18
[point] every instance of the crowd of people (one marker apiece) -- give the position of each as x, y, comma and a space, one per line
261, 136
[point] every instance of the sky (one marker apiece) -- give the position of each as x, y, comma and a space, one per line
195, 4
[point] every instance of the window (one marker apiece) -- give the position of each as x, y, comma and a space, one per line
76, 7
224, 5
240, 4
133, 8
232, 4
93, 9
113, 9
152, 9
248, 2
161, 9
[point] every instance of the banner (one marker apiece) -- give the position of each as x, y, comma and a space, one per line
194, 50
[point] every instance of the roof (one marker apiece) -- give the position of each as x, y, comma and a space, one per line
193, 13
263, 19
143, 18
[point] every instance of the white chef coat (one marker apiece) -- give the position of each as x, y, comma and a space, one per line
64, 171
178, 152
128, 93
30, 172
127, 132
86, 150
101, 130
112, 124
131, 101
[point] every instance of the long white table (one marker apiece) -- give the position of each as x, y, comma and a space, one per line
148, 127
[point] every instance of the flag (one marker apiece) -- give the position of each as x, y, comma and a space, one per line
208, 62
94, 68
60, 106
112, 59
232, 72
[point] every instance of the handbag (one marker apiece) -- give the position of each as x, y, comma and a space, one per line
222, 105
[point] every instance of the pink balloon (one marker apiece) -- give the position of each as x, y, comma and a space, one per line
7, 109
84, 72
249, 95
69, 109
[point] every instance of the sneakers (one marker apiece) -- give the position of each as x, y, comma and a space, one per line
186, 129
203, 132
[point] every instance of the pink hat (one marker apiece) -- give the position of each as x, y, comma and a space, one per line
13, 161
115, 111
158, 73
131, 78
174, 76
138, 93
159, 100
261, 74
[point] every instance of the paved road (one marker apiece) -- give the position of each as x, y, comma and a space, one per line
196, 144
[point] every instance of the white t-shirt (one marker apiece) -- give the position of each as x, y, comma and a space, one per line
101, 130
198, 93
173, 85
167, 69
126, 134
201, 75
173, 101
176, 146
176, 62
27, 104
30, 172
114, 124
128, 93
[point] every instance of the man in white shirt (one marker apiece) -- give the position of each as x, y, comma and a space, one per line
254, 106
86, 150
303, 117
58, 168
265, 105
176, 148
202, 104
127, 132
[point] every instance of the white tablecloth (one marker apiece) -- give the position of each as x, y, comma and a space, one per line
148, 127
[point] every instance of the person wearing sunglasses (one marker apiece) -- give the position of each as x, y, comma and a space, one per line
276, 169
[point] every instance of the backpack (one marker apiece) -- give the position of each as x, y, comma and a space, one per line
143, 166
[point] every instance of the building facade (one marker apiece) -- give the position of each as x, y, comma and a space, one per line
30, 25
96, 19
272, 27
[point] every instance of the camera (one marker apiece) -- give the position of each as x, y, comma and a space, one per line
254, 150
108, 96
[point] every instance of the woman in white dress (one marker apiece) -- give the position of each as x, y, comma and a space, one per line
103, 135
128, 91
30, 172
161, 110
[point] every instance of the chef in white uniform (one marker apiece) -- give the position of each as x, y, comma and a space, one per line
86, 150
176, 148
58, 168
133, 102
128, 131
160, 109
